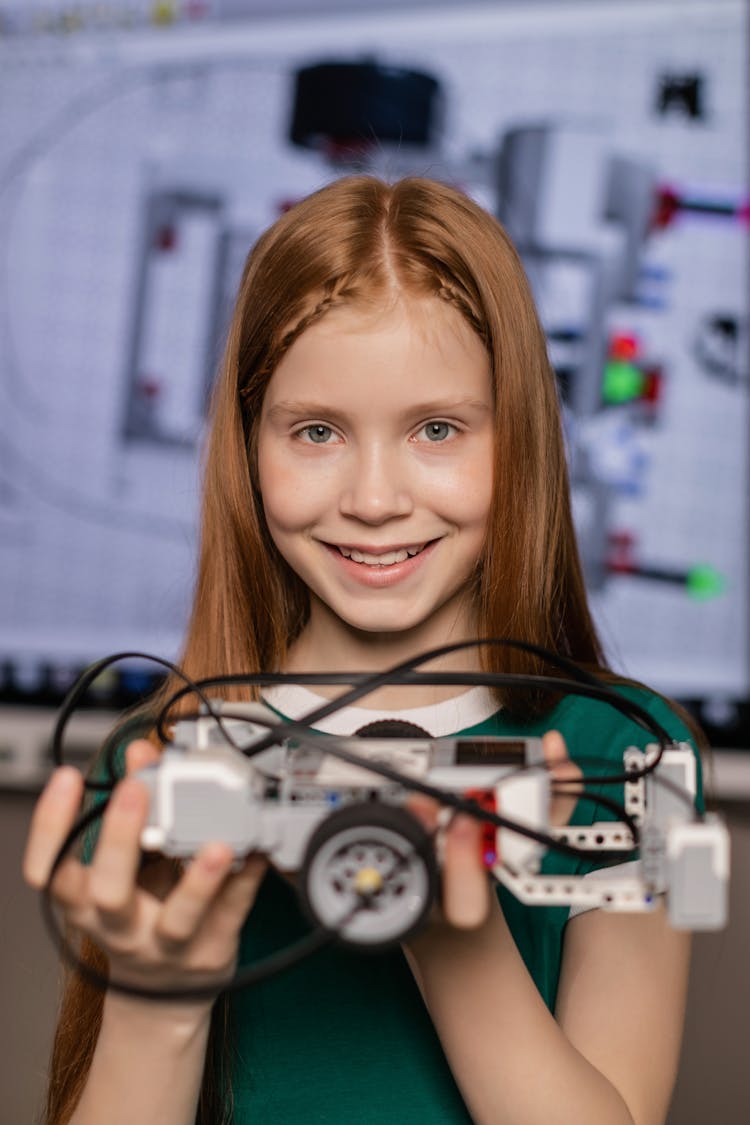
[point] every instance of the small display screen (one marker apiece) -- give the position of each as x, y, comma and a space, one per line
490, 752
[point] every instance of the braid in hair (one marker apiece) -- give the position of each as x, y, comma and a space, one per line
461, 301
333, 296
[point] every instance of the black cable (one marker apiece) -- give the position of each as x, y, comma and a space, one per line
599, 691
84, 682
602, 693
274, 963
370, 683
593, 689
366, 684
583, 684
397, 674
300, 727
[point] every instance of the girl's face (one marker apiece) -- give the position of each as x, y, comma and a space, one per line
375, 468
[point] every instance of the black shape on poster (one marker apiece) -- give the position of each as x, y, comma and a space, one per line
684, 94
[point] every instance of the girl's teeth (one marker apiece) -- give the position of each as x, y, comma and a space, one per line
380, 560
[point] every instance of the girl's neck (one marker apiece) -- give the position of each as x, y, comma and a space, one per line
322, 648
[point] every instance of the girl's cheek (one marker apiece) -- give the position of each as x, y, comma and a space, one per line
293, 496
467, 492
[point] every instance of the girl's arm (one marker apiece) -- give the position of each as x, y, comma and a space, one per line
149, 1057
147, 1066
610, 1055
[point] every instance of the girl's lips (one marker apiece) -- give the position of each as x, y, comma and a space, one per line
378, 576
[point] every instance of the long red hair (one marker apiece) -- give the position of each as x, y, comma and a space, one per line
354, 242
358, 241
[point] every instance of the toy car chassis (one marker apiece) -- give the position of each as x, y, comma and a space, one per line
332, 812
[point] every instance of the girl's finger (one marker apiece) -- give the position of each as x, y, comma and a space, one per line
236, 898
70, 883
465, 884
140, 753
185, 906
425, 809
112, 880
555, 751
562, 769
52, 819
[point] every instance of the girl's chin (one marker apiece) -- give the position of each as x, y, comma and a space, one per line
342, 625
380, 629
383, 631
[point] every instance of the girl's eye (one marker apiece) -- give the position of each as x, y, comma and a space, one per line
318, 434
437, 431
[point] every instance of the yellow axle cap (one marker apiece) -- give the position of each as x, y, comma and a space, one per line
368, 881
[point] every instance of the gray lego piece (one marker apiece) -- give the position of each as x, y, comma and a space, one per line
276, 801
697, 873
205, 810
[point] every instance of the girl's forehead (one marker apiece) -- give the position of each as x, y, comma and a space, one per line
383, 376
423, 317
407, 331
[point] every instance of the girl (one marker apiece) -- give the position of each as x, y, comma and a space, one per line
385, 473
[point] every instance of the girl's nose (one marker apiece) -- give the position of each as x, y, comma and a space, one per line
376, 488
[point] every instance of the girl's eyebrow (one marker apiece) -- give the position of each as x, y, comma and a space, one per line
311, 409
299, 407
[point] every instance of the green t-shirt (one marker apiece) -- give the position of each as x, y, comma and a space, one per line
345, 1036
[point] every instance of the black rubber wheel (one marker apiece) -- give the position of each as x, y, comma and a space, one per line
369, 873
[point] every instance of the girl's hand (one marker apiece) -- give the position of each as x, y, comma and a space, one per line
184, 930
466, 888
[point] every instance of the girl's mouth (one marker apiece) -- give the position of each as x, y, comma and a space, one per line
387, 558
384, 568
